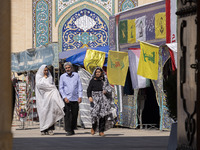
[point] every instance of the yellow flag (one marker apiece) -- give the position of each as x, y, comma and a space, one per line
160, 25
148, 63
117, 67
131, 31
94, 59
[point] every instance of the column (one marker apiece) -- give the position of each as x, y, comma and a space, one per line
5, 76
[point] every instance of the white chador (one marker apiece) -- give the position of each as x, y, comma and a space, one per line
48, 101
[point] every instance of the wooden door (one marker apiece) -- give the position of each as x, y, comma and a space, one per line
187, 74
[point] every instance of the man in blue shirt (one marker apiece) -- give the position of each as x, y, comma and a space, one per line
71, 91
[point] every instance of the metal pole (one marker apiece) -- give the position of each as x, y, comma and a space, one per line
118, 49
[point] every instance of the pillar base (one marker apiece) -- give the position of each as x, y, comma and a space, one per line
5, 141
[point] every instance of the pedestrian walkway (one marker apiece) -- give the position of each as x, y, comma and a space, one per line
115, 139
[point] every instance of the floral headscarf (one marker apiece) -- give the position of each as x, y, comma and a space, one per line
102, 77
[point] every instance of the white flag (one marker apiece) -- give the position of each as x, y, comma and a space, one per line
137, 80
140, 28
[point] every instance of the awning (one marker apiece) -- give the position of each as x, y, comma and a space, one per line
32, 59
77, 56
69, 53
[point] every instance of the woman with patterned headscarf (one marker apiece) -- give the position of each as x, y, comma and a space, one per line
100, 96
48, 101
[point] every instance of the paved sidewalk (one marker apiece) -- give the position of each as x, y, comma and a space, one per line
115, 139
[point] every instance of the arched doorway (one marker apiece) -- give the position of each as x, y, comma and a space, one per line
84, 28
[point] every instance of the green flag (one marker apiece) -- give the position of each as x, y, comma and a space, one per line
123, 34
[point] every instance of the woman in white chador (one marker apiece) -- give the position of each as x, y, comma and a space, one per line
48, 101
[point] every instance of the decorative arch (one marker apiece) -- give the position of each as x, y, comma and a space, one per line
83, 27
127, 4
108, 6
42, 22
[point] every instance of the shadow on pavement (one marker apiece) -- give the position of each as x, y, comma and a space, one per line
26, 128
91, 143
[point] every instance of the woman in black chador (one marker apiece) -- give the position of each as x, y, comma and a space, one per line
100, 96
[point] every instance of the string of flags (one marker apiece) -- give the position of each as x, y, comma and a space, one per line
143, 64
134, 30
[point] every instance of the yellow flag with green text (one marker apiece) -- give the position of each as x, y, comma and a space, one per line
148, 63
94, 59
160, 25
131, 31
117, 67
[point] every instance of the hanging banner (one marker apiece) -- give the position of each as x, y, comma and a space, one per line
137, 80
56, 54
173, 48
112, 33
140, 28
123, 31
148, 63
131, 31
171, 27
171, 21
32, 59
117, 67
160, 25
94, 59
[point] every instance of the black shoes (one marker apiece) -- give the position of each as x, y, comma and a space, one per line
73, 132
44, 133
70, 133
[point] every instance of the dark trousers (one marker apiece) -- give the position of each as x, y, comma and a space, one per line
71, 115
101, 125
